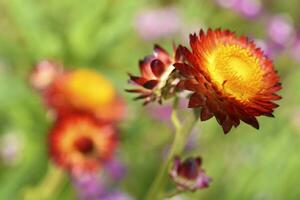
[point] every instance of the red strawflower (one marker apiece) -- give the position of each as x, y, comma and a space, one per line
230, 78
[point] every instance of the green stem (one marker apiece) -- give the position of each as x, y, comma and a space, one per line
48, 187
180, 140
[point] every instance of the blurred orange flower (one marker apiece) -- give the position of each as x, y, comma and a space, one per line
80, 143
81, 90
230, 78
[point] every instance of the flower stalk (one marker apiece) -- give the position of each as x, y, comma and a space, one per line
49, 186
181, 135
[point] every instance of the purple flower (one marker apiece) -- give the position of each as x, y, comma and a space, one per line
160, 112
248, 8
115, 168
188, 174
153, 24
280, 30
89, 186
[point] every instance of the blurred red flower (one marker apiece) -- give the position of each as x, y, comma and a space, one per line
80, 143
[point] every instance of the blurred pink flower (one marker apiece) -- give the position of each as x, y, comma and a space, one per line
160, 112
249, 8
157, 23
163, 112
89, 186
115, 168
246, 8
93, 187
44, 73
280, 30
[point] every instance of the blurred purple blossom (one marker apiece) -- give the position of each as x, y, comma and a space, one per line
280, 30
246, 8
160, 112
97, 185
157, 23
163, 112
115, 168
92, 187
89, 186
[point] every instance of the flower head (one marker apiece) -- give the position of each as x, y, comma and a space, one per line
280, 30
155, 80
80, 143
188, 174
153, 24
86, 91
230, 78
43, 74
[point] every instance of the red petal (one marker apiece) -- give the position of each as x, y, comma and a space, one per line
161, 54
178, 54
196, 100
135, 90
185, 70
150, 84
191, 85
227, 125
138, 80
145, 66
143, 96
220, 116
251, 121
157, 67
206, 114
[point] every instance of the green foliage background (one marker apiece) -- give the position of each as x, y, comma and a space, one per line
245, 164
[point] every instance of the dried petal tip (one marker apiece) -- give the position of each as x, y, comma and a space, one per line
188, 174
155, 80
230, 78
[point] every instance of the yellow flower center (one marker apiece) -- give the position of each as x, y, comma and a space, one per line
89, 90
81, 138
235, 71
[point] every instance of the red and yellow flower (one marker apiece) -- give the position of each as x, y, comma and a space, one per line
155, 80
230, 78
84, 90
80, 143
